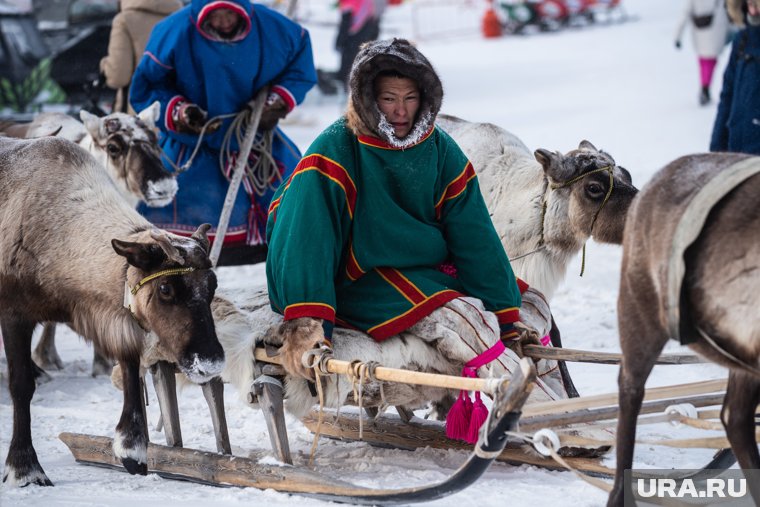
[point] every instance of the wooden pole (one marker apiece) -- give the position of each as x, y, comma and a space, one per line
489, 385
237, 176
601, 400
583, 356
486, 385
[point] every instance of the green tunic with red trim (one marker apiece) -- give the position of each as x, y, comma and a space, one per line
358, 233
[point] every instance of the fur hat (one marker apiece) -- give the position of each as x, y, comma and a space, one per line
399, 55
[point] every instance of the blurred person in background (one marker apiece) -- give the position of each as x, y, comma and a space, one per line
359, 23
737, 123
129, 35
204, 64
710, 29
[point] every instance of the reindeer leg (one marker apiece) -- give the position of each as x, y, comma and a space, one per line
45, 353
641, 340
738, 418
130, 443
21, 466
100, 364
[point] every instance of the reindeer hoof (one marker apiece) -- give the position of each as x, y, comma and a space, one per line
21, 480
134, 467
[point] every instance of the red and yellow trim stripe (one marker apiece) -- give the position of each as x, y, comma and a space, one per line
353, 270
379, 143
328, 168
413, 315
455, 188
402, 284
314, 310
508, 315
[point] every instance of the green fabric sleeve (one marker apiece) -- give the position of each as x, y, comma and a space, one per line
482, 265
307, 228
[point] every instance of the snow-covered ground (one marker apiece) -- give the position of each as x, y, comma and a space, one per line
622, 86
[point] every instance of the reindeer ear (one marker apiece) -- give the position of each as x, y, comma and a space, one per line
91, 123
163, 240
150, 114
585, 145
145, 256
200, 236
553, 164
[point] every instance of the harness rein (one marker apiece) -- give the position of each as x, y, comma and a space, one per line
130, 292
556, 186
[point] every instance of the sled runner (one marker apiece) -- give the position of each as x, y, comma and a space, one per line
211, 468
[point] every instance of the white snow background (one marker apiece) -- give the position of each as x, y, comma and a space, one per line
622, 86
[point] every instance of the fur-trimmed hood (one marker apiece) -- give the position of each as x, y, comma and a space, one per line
364, 117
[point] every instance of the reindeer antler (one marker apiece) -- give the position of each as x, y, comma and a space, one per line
166, 245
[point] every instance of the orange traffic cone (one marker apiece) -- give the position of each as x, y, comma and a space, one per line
491, 24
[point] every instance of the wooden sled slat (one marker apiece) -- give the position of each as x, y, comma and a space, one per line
586, 356
391, 431
207, 467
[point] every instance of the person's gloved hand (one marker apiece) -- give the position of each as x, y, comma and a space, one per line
516, 335
678, 44
274, 110
299, 336
189, 118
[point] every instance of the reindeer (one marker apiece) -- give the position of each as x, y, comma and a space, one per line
58, 210
691, 271
544, 205
127, 147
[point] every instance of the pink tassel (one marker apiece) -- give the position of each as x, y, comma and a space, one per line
478, 417
458, 418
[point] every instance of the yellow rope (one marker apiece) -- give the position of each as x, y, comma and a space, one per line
165, 272
609, 169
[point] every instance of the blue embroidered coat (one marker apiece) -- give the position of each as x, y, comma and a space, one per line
185, 61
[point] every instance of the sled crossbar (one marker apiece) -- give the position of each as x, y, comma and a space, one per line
486, 385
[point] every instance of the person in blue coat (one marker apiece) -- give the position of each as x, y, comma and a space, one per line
205, 63
737, 123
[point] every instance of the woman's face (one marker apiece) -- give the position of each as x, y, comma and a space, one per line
398, 99
224, 21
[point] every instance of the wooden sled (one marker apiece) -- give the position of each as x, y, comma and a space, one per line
404, 431
217, 469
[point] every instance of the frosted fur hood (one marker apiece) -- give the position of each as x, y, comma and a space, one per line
364, 117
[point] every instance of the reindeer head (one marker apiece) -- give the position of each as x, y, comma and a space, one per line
170, 286
131, 154
589, 189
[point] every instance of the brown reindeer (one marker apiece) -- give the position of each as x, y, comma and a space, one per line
58, 262
691, 271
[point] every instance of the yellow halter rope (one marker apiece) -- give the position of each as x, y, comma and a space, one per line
165, 272
554, 186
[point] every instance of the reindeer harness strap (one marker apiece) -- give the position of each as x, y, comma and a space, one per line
129, 292
689, 227
555, 186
